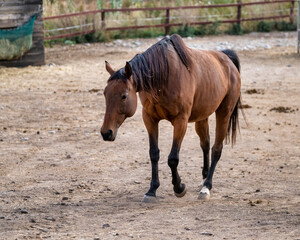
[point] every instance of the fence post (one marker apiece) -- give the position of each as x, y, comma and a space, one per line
239, 12
292, 11
103, 20
167, 28
94, 24
298, 27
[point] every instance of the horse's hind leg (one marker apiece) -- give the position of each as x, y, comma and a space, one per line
223, 115
221, 130
202, 130
152, 128
180, 125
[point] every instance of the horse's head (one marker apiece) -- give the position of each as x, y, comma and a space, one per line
121, 100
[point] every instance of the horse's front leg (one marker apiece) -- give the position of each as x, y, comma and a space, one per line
180, 125
152, 128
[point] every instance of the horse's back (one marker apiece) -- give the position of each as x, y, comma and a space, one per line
195, 90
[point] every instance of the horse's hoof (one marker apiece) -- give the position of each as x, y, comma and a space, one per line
204, 194
180, 195
149, 199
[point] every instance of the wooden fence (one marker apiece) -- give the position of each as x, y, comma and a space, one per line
167, 24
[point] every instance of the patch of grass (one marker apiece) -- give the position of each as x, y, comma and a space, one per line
200, 30
137, 33
185, 31
280, 26
50, 43
213, 29
236, 29
91, 37
264, 26
192, 31
285, 26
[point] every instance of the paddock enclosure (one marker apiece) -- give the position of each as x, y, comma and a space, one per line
60, 180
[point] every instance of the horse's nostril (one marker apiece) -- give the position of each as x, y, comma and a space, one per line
108, 135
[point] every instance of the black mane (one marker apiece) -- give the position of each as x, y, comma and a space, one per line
150, 69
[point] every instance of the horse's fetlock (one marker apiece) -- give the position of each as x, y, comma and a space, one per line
208, 185
205, 173
155, 184
205, 146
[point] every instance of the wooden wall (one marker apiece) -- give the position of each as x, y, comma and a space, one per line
14, 13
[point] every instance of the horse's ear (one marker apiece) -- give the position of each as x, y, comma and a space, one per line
128, 70
109, 68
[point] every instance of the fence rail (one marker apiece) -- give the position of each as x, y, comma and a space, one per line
238, 19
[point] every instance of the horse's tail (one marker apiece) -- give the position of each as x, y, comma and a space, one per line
234, 123
234, 118
233, 57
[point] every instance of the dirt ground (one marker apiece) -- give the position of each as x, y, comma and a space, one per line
60, 180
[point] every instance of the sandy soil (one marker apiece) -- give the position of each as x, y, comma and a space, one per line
60, 180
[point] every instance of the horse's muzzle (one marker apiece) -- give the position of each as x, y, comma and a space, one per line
108, 136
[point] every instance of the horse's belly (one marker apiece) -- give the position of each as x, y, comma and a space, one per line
203, 111
195, 117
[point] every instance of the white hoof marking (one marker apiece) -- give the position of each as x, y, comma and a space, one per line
204, 193
202, 182
149, 199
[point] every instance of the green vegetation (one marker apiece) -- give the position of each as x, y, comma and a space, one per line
264, 26
236, 29
118, 19
285, 26
279, 26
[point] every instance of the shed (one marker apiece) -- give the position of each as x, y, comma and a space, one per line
13, 15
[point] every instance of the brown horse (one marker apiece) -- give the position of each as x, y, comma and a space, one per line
181, 85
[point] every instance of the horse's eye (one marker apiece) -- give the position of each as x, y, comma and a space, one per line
124, 97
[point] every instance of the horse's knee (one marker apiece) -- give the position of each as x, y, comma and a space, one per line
217, 147
205, 145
